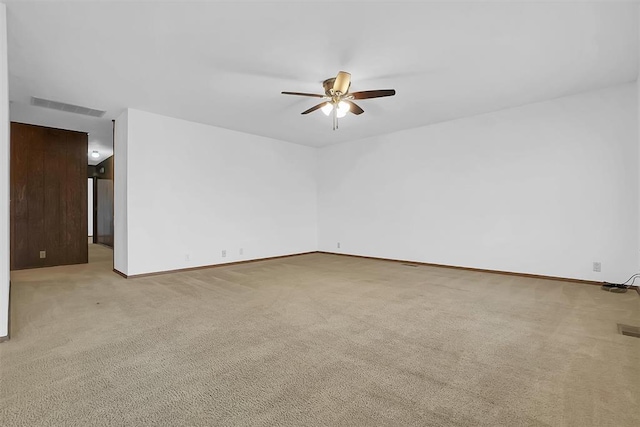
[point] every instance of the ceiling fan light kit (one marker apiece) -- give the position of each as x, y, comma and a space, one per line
337, 98
341, 109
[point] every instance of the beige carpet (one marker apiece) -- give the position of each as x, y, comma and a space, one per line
315, 340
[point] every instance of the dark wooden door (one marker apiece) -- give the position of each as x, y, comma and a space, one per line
48, 197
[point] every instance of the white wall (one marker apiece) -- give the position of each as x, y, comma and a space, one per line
4, 177
546, 188
195, 190
120, 194
637, 283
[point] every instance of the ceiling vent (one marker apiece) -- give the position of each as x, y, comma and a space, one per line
69, 108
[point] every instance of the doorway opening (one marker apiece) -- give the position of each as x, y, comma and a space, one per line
101, 177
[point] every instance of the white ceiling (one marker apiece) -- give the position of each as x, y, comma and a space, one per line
225, 64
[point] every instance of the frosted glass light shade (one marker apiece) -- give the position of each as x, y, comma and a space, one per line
327, 109
343, 109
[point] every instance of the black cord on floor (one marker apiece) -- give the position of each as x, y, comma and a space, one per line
620, 287
624, 285
634, 277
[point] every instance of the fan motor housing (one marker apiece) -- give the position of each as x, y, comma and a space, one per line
328, 86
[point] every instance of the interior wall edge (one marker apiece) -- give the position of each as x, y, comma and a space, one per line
204, 267
5, 280
120, 193
479, 270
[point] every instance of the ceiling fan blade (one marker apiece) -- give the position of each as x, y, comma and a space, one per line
342, 82
315, 95
355, 109
314, 108
367, 94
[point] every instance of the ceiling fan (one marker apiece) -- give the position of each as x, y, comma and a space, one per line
338, 99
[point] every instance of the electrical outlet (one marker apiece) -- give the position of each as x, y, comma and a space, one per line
224, 253
597, 267
338, 245
43, 254
241, 251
